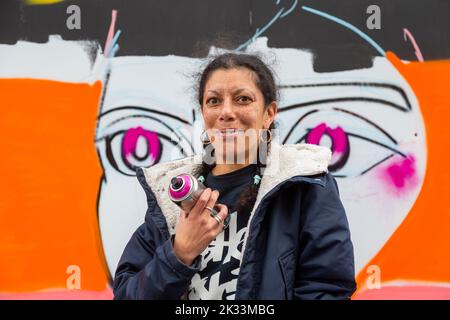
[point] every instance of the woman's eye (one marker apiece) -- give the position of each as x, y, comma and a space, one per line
244, 99
212, 101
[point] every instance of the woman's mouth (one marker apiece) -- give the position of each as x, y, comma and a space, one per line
231, 132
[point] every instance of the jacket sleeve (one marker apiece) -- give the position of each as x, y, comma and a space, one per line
149, 268
325, 264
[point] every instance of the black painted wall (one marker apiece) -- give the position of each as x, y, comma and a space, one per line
188, 27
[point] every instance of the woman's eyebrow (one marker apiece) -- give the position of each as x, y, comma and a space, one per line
213, 91
240, 90
235, 91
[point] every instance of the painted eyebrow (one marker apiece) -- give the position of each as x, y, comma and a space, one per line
144, 110
141, 112
406, 107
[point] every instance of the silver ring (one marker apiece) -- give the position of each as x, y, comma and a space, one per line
214, 212
226, 222
218, 219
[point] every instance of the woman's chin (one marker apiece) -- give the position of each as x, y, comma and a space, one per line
234, 157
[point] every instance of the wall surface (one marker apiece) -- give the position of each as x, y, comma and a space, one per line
93, 89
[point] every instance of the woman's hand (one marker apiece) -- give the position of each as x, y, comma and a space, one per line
195, 230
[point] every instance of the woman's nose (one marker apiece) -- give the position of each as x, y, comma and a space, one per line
227, 112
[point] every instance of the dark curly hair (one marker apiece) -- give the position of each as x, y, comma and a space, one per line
265, 81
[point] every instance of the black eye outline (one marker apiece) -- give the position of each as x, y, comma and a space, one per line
109, 138
112, 159
342, 163
407, 107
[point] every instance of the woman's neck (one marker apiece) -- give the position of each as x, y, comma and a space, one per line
220, 169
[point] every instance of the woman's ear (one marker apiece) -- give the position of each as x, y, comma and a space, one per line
270, 113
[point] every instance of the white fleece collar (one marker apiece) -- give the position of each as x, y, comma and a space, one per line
283, 162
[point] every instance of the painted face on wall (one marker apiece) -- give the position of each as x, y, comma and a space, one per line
146, 118
369, 118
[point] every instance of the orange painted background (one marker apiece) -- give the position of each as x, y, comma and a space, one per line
50, 175
416, 255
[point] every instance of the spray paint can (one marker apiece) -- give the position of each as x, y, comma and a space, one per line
184, 190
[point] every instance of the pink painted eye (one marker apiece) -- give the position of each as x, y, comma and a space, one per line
127, 150
340, 145
140, 147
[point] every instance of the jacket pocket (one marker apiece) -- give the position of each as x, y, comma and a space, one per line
287, 266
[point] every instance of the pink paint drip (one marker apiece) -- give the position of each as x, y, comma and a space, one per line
402, 172
110, 32
407, 34
130, 140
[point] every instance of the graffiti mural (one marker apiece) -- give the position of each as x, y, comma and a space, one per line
77, 131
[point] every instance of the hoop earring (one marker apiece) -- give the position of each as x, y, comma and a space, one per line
270, 136
203, 140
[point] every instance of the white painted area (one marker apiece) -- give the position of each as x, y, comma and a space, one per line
57, 59
161, 87
122, 206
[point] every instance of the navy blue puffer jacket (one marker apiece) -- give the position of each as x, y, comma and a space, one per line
297, 244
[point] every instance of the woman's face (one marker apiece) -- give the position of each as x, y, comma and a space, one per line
234, 112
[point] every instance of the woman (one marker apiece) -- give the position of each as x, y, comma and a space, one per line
288, 235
